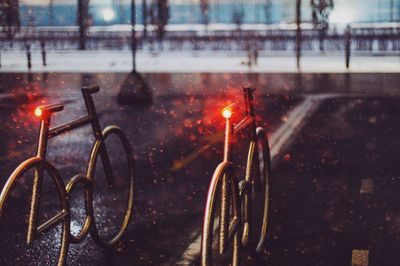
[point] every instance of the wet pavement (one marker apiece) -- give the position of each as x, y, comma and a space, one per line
318, 214
323, 207
169, 194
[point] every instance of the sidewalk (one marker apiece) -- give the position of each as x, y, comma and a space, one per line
185, 62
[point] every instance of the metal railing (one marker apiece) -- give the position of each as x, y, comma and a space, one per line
365, 38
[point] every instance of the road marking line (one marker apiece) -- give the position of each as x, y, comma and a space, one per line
367, 186
279, 141
187, 257
360, 257
211, 140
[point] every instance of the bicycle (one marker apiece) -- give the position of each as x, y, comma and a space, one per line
225, 219
41, 167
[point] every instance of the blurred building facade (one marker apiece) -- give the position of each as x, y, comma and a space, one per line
109, 12
268, 25
9, 13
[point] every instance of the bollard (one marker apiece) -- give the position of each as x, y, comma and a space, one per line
347, 44
255, 54
28, 55
43, 50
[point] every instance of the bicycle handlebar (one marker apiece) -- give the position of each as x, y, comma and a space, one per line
48, 109
249, 89
90, 89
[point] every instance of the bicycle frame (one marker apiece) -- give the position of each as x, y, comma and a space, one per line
248, 122
45, 133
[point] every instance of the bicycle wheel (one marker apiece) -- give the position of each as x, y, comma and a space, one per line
218, 248
261, 188
111, 209
49, 248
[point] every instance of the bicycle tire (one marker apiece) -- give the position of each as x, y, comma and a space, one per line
264, 178
211, 209
35, 163
110, 241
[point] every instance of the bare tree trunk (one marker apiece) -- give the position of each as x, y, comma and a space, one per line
133, 40
268, 13
391, 11
9, 10
298, 34
162, 19
83, 13
51, 12
322, 33
204, 7
144, 17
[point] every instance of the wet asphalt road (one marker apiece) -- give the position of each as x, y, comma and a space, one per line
318, 215
169, 195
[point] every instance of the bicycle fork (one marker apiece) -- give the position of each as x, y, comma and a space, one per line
37, 181
246, 195
225, 192
247, 185
224, 215
229, 221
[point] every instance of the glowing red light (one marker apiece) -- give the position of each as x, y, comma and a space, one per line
227, 113
38, 112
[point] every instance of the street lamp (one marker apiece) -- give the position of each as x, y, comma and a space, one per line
108, 14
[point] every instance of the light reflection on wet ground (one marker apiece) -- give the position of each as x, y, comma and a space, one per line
184, 117
169, 195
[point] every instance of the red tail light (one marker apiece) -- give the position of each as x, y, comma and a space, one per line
227, 113
38, 112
